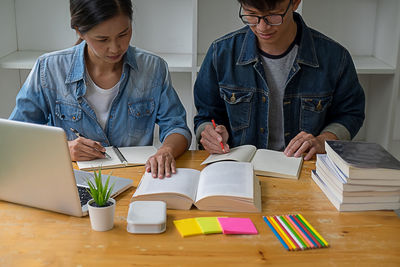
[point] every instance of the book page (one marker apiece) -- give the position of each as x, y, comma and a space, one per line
227, 178
276, 164
104, 163
184, 182
137, 155
241, 153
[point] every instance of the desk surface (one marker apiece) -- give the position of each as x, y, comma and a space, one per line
30, 237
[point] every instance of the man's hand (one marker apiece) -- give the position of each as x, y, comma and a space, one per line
162, 163
307, 143
211, 139
85, 149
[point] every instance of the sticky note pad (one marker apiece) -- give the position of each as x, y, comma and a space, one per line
188, 227
209, 225
237, 226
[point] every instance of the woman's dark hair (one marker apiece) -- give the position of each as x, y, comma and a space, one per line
86, 14
261, 4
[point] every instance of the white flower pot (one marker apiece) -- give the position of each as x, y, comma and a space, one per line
102, 218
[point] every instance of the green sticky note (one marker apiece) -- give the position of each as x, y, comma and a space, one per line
209, 225
188, 227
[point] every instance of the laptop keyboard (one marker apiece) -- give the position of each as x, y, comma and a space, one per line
83, 195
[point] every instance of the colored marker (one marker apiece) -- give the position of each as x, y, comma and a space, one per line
304, 230
298, 239
289, 233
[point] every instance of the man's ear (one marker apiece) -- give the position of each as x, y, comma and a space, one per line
296, 4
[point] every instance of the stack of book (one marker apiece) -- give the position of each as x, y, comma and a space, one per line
358, 176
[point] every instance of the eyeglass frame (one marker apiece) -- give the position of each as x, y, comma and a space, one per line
264, 17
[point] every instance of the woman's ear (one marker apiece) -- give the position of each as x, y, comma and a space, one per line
296, 4
80, 35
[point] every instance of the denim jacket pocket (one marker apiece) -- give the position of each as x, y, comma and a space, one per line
140, 117
238, 105
68, 115
313, 113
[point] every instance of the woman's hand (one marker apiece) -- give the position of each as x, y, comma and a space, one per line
163, 162
85, 149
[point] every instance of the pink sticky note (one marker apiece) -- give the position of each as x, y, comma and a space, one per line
237, 226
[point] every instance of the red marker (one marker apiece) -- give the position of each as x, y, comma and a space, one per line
222, 145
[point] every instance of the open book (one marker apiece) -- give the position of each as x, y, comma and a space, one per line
223, 186
120, 157
266, 162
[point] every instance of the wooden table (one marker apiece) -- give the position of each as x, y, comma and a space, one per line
31, 237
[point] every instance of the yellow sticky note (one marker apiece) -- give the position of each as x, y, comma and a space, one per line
209, 225
188, 227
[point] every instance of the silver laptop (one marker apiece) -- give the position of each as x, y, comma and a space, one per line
36, 169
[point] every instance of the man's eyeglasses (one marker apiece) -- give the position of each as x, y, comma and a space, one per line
273, 19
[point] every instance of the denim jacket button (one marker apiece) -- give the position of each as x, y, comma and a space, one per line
264, 99
262, 130
73, 117
319, 106
233, 98
137, 113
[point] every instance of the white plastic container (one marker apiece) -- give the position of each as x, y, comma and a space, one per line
147, 217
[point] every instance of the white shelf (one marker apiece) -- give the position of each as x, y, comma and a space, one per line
177, 62
20, 59
26, 60
372, 65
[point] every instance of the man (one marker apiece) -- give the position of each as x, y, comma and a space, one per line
276, 84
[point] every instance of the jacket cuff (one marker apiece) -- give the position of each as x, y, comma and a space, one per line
199, 130
187, 134
339, 130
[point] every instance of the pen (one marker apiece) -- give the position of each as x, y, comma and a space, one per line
222, 145
81, 135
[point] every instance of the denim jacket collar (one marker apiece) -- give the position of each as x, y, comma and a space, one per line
77, 70
306, 53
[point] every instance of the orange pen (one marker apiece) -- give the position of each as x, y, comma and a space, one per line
222, 145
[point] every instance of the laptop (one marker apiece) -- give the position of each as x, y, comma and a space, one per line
36, 169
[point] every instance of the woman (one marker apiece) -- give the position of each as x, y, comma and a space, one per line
105, 90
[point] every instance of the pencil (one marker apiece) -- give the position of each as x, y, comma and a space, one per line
280, 230
313, 235
221, 144
298, 239
276, 233
300, 233
315, 231
296, 243
309, 235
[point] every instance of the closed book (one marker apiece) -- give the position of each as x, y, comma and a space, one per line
363, 160
361, 206
223, 186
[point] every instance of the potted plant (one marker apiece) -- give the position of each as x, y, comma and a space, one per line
101, 207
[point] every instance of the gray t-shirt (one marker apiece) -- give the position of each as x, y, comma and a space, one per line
277, 70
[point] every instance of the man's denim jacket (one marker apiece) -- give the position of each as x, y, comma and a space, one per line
322, 90
54, 93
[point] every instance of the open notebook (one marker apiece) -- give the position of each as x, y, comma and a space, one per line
120, 157
223, 186
265, 162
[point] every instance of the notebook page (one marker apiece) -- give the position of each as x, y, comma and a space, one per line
137, 154
241, 153
275, 162
184, 181
96, 163
227, 178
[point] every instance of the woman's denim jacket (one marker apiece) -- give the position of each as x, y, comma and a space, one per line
54, 93
322, 90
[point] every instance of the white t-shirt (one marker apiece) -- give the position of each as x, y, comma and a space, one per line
100, 99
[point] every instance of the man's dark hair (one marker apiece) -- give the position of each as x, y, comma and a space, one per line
261, 4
